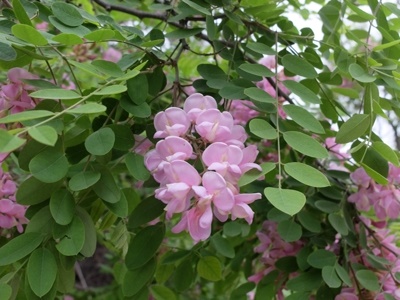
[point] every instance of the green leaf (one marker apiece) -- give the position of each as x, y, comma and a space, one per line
90, 244
106, 188
62, 206
140, 111
135, 164
183, 33
88, 68
289, 231
28, 34
386, 152
306, 281
197, 7
304, 118
261, 48
26, 115
259, 95
137, 255
209, 267
135, 280
67, 14
368, 280
353, 128
298, 66
41, 271
286, 200
359, 74
78, 30
100, 35
124, 139
44, 134
161, 292
302, 91
338, 223
5, 291
321, 258
147, 210
262, 129
306, 174
254, 174
305, 144
309, 222
55, 94
362, 14
20, 13
184, 275
231, 91
100, 142
32, 191
74, 238
108, 67
385, 45
7, 53
257, 69
138, 88
9, 142
343, 274
111, 90
49, 166
42, 222
88, 108
83, 180
223, 246
211, 28
330, 277
68, 39
19, 247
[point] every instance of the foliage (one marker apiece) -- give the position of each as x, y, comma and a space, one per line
124, 124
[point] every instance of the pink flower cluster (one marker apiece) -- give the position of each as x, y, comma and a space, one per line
385, 199
11, 213
202, 136
383, 245
272, 247
14, 95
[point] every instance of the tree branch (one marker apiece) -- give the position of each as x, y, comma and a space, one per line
164, 17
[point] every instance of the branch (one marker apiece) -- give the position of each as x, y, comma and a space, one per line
164, 17
138, 13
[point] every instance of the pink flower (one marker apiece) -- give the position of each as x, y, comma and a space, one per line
112, 54
224, 159
142, 144
170, 149
43, 26
180, 177
242, 111
214, 126
197, 103
14, 96
172, 121
241, 209
197, 221
215, 189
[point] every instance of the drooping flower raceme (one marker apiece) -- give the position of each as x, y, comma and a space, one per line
11, 213
201, 133
14, 95
385, 199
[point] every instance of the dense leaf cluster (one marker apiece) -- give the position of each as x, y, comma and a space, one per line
82, 82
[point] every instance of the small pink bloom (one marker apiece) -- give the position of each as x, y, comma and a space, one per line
214, 126
241, 209
172, 121
112, 54
197, 103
